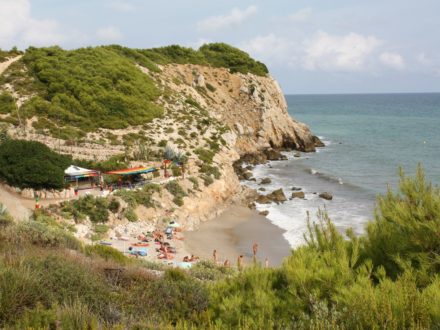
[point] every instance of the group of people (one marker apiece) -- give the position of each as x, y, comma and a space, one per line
240, 258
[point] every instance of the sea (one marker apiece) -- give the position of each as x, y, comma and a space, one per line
368, 137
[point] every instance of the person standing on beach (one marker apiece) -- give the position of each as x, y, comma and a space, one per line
254, 252
214, 256
240, 262
266, 263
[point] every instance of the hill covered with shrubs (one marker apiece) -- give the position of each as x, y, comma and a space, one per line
86, 89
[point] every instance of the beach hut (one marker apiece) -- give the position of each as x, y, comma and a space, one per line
75, 174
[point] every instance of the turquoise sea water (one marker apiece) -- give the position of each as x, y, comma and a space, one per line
371, 136
368, 137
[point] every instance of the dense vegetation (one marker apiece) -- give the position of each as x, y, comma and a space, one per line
218, 55
73, 92
29, 164
90, 88
387, 279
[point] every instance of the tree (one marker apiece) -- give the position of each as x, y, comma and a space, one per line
406, 227
30, 164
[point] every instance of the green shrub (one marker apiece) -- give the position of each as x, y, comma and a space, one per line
205, 155
195, 182
177, 191
107, 253
20, 288
206, 270
30, 164
224, 56
130, 215
39, 234
219, 55
114, 205
406, 226
140, 197
210, 87
207, 180
174, 297
7, 103
95, 208
70, 279
210, 170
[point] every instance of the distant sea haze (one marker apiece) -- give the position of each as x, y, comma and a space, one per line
368, 137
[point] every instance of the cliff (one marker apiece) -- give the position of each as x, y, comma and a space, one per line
253, 106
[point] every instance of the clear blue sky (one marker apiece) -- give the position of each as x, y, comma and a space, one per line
321, 46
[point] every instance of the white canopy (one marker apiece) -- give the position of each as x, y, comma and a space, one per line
73, 170
174, 224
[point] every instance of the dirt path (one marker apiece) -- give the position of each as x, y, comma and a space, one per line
19, 208
5, 65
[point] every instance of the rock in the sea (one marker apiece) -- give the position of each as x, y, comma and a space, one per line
296, 188
317, 142
326, 195
273, 154
266, 181
297, 155
298, 194
252, 206
263, 199
262, 189
247, 175
249, 167
277, 196
264, 213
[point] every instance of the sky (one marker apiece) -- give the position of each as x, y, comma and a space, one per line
310, 47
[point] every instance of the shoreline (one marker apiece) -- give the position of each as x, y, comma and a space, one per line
233, 233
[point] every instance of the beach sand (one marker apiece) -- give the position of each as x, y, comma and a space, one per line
233, 233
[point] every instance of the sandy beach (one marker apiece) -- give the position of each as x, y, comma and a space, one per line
233, 233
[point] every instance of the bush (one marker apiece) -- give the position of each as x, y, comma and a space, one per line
95, 208
219, 55
177, 191
39, 234
207, 180
174, 297
195, 182
107, 253
20, 288
205, 155
210, 87
130, 215
7, 103
30, 164
210, 170
140, 197
407, 227
206, 270
114, 205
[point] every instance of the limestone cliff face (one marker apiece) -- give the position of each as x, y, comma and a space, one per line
254, 107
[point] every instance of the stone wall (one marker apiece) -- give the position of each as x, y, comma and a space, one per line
44, 194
